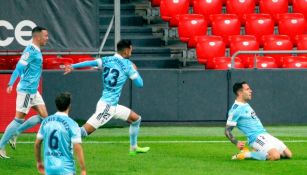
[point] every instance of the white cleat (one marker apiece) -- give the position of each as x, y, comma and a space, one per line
12, 142
3, 154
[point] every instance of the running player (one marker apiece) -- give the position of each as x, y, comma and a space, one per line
116, 70
244, 117
60, 135
29, 69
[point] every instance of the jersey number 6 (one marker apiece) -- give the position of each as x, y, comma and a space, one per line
53, 140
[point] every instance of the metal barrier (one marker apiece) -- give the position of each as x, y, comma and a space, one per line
261, 53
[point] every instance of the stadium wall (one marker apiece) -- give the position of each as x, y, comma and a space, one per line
279, 96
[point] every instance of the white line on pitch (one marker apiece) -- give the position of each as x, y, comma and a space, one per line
165, 141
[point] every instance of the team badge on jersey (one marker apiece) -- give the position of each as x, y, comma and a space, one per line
25, 56
253, 114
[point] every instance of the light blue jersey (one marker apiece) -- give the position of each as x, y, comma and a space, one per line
29, 68
59, 133
244, 117
116, 70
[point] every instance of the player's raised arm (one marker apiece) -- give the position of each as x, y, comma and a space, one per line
79, 153
93, 63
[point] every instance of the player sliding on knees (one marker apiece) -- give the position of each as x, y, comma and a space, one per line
264, 145
116, 70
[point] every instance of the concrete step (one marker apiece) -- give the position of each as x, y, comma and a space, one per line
126, 20
125, 9
124, 1
146, 51
128, 29
137, 41
155, 62
112, 1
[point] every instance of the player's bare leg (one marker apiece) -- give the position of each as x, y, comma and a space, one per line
287, 154
135, 121
273, 154
88, 129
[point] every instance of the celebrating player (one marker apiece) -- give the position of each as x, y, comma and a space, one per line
29, 69
244, 117
116, 70
60, 134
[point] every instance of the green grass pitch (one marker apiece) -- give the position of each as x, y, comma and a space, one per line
174, 150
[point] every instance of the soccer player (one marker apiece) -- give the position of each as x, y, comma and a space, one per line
116, 70
265, 146
59, 134
29, 69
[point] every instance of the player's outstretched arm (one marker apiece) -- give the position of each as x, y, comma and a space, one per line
79, 153
37, 151
228, 133
18, 70
70, 68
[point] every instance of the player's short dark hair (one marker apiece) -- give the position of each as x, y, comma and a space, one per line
62, 101
37, 29
123, 44
238, 86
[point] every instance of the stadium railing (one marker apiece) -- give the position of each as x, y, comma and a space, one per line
263, 52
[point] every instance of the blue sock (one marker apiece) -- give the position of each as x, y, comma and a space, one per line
134, 132
258, 155
32, 121
10, 131
83, 132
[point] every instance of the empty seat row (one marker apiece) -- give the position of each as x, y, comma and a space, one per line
209, 47
50, 61
156, 3
262, 62
193, 25
170, 9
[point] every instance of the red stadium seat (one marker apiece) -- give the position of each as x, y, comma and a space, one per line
277, 42
240, 8
170, 9
225, 25
191, 3
155, 3
12, 61
224, 63
79, 58
190, 26
50, 56
209, 47
273, 7
302, 43
259, 25
300, 6
4, 64
207, 8
263, 62
294, 62
291, 24
56, 63
241, 43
